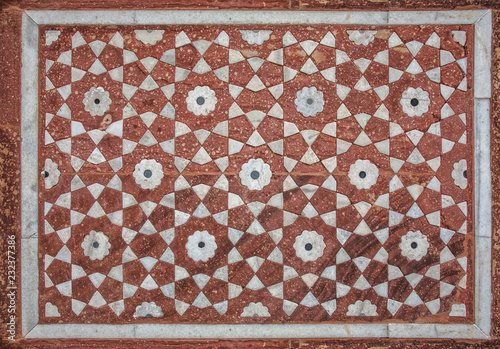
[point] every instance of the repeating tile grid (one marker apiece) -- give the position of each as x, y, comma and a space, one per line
314, 188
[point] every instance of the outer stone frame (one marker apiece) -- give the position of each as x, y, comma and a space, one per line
482, 21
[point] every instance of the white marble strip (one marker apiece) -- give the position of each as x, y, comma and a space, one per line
398, 330
482, 56
435, 17
255, 17
482, 305
207, 17
258, 331
482, 167
483, 226
29, 174
82, 331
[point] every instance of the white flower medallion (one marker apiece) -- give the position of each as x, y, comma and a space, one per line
361, 37
96, 101
201, 100
309, 101
414, 245
415, 102
149, 37
96, 245
255, 37
362, 308
201, 246
459, 174
148, 310
255, 174
309, 246
363, 174
148, 174
51, 173
255, 310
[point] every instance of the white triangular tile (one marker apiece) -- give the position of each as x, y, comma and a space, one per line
149, 84
362, 64
255, 84
201, 67
289, 39
149, 283
329, 74
309, 67
414, 47
202, 46
149, 63
328, 40
255, 63
97, 68
276, 57
222, 39
255, 139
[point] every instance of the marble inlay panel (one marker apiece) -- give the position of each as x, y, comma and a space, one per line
263, 179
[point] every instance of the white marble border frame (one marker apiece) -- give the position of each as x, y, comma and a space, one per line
482, 21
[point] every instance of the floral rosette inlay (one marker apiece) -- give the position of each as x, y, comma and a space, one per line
459, 174
414, 245
51, 173
96, 245
201, 100
415, 102
148, 174
96, 101
149, 37
362, 308
255, 37
201, 246
309, 246
361, 37
255, 174
309, 101
148, 310
255, 310
363, 174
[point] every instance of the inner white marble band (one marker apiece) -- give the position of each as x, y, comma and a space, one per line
255, 17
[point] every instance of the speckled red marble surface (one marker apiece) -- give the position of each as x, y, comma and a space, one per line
226, 175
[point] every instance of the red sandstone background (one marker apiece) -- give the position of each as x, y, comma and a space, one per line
10, 109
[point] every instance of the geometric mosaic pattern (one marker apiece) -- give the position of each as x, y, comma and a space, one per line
227, 174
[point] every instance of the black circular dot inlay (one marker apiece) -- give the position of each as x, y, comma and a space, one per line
308, 247
97, 101
148, 173
201, 244
95, 244
465, 174
200, 100
414, 245
362, 174
45, 174
414, 102
149, 316
255, 174
309, 101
